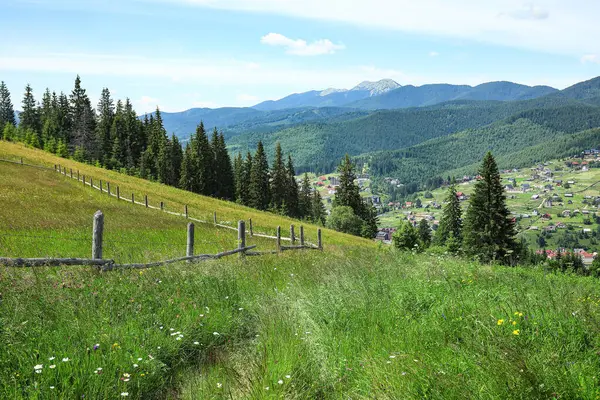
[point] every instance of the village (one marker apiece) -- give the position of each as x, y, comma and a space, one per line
555, 205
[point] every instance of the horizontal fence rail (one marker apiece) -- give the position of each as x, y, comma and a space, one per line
117, 193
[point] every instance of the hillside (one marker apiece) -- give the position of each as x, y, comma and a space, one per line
320, 145
353, 320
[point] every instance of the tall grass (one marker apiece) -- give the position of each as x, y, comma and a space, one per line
354, 321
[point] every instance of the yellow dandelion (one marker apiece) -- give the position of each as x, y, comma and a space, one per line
514, 322
516, 332
500, 322
520, 314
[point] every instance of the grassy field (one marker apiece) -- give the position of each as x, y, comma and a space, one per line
355, 321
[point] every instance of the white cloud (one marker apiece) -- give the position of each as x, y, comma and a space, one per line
553, 26
205, 104
590, 58
145, 104
247, 98
299, 47
433, 54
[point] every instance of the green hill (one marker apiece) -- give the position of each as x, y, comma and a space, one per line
352, 321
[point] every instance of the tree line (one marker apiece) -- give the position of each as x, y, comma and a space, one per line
114, 137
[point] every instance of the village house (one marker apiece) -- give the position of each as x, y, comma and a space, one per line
561, 225
566, 213
550, 228
535, 197
587, 258
525, 187
568, 194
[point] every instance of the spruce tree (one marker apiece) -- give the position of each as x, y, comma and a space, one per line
371, 220
7, 112
224, 179
259, 188
292, 201
424, 233
305, 198
318, 213
134, 135
83, 120
238, 172
204, 158
63, 118
347, 193
29, 118
489, 232
451, 220
176, 160
244, 184
188, 177
279, 181
106, 115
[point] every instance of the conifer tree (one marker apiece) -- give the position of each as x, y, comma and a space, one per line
406, 237
134, 135
451, 220
204, 158
83, 120
318, 213
292, 202
7, 112
369, 216
259, 189
424, 233
238, 172
106, 115
224, 178
29, 118
63, 118
347, 193
305, 198
279, 181
244, 183
188, 176
489, 232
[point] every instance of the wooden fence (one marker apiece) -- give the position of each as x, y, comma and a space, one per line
98, 232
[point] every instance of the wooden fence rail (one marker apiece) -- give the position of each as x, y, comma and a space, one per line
116, 193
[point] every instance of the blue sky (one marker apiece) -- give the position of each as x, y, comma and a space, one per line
180, 54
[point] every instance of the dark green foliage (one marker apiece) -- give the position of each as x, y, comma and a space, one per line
343, 219
595, 267
489, 231
305, 197
29, 117
406, 237
318, 213
106, 115
259, 189
7, 112
292, 202
451, 220
279, 181
224, 176
243, 167
83, 120
424, 233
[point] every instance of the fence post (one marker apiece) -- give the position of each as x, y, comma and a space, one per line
118, 194
71, 173
251, 231
132, 198
319, 240
97, 234
54, 167
108, 187
185, 211
278, 238
91, 182
301, 235
162, 206
292, 234
21, 160
241, 236
190, 240
146, 200
100, 185
77, 175
215, 217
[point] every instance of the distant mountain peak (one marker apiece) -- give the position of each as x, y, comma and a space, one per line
332, 90
379, 87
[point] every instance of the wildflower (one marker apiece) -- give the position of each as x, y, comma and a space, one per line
38, 368
124, 394
500, 322
142, 374
175, 333
51, 387
125, 377
226, 297
52, 366
216, 333
98, 371
403, 373
280, 382
160, 327
178, 338
287, 376
514, 322
66, 359
135, 365
171, 329
51, 358
516, 332
266, 388
392, 356
196, 343
96, 346
115, 345
219, 385
388, 362
240, 309
140, 359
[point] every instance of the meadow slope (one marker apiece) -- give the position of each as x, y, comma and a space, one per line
354, 321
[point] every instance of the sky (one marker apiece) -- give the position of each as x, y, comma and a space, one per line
180, 54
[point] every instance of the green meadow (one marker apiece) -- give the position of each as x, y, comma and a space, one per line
355, 321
